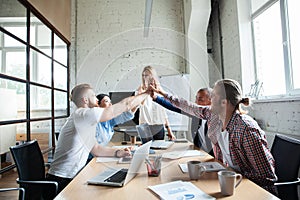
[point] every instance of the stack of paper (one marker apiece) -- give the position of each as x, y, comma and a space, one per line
180, 154
179, 190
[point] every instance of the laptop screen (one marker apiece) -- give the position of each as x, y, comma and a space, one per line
144, 133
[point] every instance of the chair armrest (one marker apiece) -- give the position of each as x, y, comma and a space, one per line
11, 189
46, 183
288, 183
21, 191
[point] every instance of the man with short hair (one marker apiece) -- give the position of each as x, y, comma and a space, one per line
199, 127
77, 136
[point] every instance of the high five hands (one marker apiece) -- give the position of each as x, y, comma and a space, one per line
155, 88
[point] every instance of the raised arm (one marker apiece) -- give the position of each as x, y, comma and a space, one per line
165, 103
122, 106
122, 118
186, 106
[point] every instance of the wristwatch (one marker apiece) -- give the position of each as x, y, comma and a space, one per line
116, 153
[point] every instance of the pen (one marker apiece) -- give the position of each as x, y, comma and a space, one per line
149, 163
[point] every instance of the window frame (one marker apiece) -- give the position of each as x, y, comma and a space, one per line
28, 119
291, 92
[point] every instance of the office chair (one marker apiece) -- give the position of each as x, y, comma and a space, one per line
21, 192
31, 170
286, 152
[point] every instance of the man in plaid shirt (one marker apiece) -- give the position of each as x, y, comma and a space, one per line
237, 139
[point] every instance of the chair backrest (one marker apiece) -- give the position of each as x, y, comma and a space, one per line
286, 152
30, 165
29, 161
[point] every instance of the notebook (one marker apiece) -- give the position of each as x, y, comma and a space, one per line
120, 177
146, 135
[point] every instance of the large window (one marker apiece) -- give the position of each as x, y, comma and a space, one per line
276, 46
33, 78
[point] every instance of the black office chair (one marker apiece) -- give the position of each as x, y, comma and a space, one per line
286, 152
21, 191
31, 170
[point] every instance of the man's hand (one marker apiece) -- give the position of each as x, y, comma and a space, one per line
124, 152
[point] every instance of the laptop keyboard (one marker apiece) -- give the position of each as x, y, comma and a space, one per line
117, 177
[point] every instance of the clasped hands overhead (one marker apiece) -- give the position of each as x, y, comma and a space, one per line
154, 88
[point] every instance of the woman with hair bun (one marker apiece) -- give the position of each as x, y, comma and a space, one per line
238, 141
105, 130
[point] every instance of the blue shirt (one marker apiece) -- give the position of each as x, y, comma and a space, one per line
105, 130
167, 104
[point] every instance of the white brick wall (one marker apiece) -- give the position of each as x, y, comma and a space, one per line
111, 50
98, 21
278, 117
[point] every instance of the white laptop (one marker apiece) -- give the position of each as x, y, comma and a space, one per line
120, 177
146, 135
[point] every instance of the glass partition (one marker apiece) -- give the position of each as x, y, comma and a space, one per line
41, 37
41, 131
60, 50
31, 76
60, 103
13, 18
40, 102
13, 54
40, 68
60, 74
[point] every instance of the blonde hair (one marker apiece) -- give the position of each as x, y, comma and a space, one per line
231, 91
152, 71
78, 93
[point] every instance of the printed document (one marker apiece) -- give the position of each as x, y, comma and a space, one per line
179, 190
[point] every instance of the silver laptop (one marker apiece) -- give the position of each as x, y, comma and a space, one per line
120, 177
145, 134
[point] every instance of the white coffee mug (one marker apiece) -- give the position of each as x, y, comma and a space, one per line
195, 169
229, 180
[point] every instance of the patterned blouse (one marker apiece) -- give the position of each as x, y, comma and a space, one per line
247, 142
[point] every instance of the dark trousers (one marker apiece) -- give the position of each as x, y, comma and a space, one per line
160, 135
62, 182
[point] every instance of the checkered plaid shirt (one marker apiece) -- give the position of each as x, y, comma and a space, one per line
247, 142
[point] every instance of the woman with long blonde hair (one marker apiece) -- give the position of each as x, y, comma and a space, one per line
150, 112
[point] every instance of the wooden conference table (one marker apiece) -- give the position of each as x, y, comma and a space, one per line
137, 187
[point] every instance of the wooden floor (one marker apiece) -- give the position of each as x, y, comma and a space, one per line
8, 180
